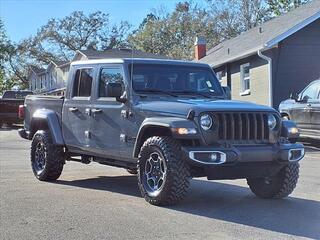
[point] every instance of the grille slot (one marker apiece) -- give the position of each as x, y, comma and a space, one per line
240, 128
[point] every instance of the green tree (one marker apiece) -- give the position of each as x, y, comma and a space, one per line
278, 7
60, 38
173, 34
236, 16
5, 47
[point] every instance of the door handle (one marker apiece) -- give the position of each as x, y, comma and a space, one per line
96, 110
73, 109
88, 111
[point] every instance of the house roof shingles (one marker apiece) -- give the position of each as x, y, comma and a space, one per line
271, 32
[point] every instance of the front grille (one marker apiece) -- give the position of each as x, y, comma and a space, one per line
240, 127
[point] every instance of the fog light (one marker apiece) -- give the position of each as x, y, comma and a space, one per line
208, 157
213, 157
295, 154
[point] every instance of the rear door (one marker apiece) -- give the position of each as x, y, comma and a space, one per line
76, 109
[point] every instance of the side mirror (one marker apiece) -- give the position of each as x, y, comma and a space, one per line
294, 96
114, 90
227, 91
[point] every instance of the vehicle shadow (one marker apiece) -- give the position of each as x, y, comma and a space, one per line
5, 128
227, 202
311, 145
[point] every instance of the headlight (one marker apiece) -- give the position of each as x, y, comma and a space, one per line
272, 121
205, 122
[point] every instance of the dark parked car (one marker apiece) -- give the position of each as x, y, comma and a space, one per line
9, 106
304, 109
164, 120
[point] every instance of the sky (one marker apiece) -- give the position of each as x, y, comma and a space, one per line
22, 18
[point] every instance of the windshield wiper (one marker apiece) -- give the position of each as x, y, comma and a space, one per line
192, 92
155, 90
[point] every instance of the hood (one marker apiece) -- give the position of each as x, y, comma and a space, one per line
183, 106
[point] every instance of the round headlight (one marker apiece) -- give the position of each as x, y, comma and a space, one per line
205, 122
272, 121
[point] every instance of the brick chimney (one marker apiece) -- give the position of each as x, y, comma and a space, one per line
200, 49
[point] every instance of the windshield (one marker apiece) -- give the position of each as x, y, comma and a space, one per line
16, 94
175, 79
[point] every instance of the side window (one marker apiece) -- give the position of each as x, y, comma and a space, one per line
219, 76
83, 82
245, 78
311, 92
109, 75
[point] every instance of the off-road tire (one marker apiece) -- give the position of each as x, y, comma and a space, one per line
132, 171
278, 186
177, 175
54, 157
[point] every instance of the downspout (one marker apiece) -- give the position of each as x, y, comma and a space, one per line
269, 60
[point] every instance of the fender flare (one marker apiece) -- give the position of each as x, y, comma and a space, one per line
166, 123
50, 118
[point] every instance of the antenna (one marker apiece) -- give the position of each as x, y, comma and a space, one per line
131, 77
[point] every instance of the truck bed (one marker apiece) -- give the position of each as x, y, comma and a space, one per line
35, 102
9, 110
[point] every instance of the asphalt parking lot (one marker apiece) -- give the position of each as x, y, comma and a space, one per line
101, 202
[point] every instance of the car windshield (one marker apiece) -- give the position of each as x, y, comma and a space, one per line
176, 79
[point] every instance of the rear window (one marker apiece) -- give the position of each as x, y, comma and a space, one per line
83, 82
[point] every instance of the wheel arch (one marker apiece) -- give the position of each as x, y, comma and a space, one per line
150, 130
44, 119
162, 126
283, 114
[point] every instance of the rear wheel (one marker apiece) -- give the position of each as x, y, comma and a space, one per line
46, 159
278, 186
163, 174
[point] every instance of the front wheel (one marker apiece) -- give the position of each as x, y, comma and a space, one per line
163, 174
46, 159
280, 185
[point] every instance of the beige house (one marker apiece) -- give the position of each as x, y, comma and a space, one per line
267, 63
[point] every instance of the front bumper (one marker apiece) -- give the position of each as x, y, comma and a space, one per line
240, 161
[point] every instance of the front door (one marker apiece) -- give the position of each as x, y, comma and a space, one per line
314, 108
107, 123
76, 110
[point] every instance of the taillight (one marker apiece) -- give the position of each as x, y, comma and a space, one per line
21, 111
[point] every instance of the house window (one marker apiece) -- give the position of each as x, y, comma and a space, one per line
245, 79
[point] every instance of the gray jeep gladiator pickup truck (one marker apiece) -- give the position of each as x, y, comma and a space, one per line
164, 120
